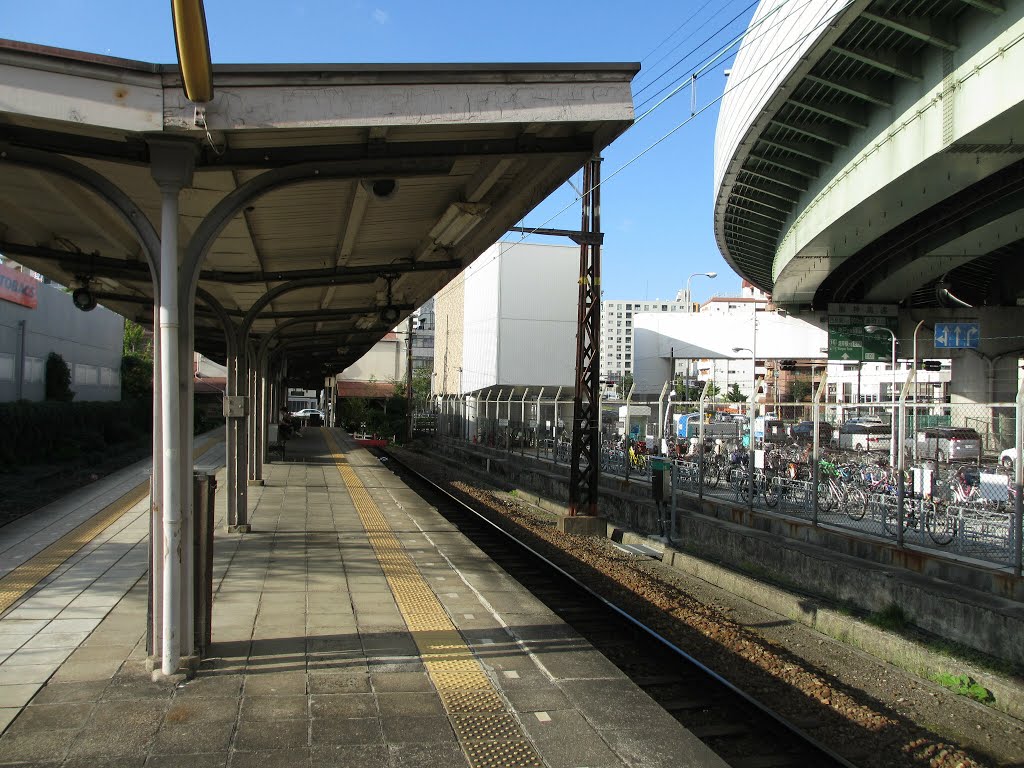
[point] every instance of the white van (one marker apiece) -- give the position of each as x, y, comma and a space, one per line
858, 436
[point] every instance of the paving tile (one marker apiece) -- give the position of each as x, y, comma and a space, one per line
100, 762
17, 695
211, 686
258, 735
338, 681
187, 761
26, 673
275, 683
393, 682
347, 731
270, 758
60, 692
567, 740
343, 705
417, 729
361, 755
274, 708
7, 714
52, 656
409, 704
42, 716
35, 745
194, 738
439, 755
197, 710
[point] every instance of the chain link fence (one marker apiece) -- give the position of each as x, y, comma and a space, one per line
938, 475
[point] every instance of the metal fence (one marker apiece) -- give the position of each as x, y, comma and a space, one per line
944, 476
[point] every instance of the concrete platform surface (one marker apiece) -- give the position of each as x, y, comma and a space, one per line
352, 626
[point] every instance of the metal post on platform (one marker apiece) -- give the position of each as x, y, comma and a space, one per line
554, 426
522, 422
700, 437
661, 414
1018, 480
815, 445
899, 437
508, 420
628, 441
536, 429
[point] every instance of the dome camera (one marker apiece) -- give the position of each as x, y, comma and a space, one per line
382, 189
84, 299
390, 314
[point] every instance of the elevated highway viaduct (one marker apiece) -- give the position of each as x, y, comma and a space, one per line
871, 152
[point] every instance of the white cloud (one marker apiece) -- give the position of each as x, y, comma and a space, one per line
381, 16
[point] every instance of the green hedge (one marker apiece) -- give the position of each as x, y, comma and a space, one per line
48, 432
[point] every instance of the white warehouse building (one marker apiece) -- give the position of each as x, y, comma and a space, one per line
506, 328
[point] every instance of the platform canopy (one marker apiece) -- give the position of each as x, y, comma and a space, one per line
316, 187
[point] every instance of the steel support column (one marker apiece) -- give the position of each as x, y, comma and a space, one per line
585, 463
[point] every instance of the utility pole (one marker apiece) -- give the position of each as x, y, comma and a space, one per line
408, 382
585, 468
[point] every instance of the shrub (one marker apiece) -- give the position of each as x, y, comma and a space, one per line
58, 379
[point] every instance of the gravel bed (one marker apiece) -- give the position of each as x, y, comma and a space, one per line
871, 712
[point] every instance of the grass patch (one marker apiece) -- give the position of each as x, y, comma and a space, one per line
891, 618
965, 686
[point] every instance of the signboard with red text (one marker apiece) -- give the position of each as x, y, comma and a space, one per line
17, 287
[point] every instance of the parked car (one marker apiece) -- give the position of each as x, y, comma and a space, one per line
949, 444
804, 431
312, 415
1008, 458
865, 436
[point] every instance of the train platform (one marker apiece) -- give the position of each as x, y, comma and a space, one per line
352, 626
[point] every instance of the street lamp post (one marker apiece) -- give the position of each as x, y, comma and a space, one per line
892, 441
689, 301
750, 417
689, 309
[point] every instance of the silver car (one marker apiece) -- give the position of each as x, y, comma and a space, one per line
949, 444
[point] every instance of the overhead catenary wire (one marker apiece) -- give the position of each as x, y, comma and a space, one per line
733, 85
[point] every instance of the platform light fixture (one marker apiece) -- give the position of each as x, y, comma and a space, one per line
193, 46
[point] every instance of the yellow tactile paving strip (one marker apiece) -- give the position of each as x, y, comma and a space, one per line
490, 736
18, 582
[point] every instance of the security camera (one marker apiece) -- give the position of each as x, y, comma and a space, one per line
390, 314
84, 299
382, 189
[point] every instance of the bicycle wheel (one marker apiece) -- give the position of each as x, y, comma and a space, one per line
827, 497
770, 489
941, 525
712, 474
890, 521
856, 503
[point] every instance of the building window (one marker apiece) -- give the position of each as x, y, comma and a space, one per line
629, 306
6, 367
33, 370
86, 375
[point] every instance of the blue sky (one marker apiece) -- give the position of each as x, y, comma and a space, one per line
656, 213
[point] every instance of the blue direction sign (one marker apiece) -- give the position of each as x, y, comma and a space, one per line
957, 335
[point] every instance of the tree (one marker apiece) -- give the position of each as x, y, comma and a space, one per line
800, 390
421, 387
735, 396
714, 391
137, 363
58, 379
136, 341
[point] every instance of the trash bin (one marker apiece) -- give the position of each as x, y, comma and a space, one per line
204, 487
661, 468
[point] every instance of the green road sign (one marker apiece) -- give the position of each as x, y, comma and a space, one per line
847, 339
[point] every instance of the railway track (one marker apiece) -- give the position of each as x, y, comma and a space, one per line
743, 731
